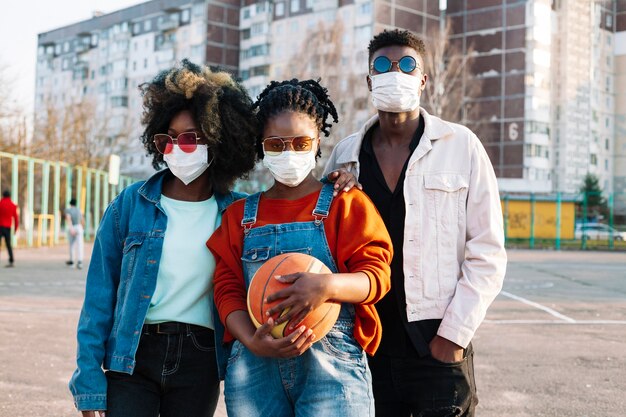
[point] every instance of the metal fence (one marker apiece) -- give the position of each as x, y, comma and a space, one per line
42, 190
565, 221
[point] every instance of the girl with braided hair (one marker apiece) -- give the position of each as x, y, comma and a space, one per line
293, 376
147, 317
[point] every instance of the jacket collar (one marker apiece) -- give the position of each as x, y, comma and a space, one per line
434, 128
151, 191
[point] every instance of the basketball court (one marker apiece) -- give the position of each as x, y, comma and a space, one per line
553, 343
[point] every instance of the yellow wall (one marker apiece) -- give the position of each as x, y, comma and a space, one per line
545, 219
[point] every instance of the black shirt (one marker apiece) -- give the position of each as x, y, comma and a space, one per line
400, 338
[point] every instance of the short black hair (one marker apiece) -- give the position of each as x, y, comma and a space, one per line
396, 37
6, 193
73, 202
308, 97
221, 108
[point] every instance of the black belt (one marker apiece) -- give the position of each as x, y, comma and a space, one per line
172, 327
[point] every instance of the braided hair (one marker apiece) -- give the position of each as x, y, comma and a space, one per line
308, 97
221, 108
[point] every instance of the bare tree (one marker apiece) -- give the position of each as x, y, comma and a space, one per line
77, 134
324, 55
450, 87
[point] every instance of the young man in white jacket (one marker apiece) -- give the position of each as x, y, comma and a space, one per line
435, 187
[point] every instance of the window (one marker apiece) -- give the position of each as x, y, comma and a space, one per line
119, 101
145, 62
280, 9
245, 74
196, 50
309, 4
66, 46
246, 13
257, 50
609, 20
147, 25
593, 159
124, 27
260, 7
134, 65
258, 28
295, 6
606, 164
365, 8
245, 34
185, 16
263, 70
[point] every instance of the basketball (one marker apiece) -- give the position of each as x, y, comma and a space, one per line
263, 284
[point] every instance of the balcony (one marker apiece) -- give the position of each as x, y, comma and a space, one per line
169, 23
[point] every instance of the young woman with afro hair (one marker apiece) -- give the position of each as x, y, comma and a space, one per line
147, 332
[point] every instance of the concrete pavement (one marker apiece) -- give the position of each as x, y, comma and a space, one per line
552, 345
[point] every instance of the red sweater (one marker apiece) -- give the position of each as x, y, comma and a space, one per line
8, 213
358, 242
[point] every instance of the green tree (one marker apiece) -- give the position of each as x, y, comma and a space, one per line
592, 194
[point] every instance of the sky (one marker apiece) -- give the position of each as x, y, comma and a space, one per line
22, 20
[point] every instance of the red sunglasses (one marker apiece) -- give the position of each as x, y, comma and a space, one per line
186, 141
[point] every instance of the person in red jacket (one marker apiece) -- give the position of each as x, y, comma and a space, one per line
8, 214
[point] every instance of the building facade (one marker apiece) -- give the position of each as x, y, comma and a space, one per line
551, 106
100, 63
619, 147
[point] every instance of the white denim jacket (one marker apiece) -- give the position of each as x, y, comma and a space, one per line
454, 257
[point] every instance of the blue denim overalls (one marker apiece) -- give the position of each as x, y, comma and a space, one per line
332, 377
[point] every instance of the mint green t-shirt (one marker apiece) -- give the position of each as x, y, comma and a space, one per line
184, 281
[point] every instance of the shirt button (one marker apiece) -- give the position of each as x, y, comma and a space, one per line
254, 256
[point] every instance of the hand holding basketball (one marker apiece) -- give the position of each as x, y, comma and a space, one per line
307, 292
298, 298
264, 344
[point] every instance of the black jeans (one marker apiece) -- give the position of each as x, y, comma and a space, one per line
5, 232
175, 376
423, 387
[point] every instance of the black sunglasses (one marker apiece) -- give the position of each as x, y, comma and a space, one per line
383, 64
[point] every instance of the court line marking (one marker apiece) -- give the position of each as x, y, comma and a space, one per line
580, 322
539, 306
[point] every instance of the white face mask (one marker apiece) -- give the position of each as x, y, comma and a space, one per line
395, 92
290, 168
188, 166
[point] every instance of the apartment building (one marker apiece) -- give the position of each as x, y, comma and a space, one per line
551, 106
100, 63
619, 147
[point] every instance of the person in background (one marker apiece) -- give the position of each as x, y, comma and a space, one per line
75, 223
147, 335
434, 186
8, 219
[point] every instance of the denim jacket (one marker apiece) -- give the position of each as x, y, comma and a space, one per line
120, 284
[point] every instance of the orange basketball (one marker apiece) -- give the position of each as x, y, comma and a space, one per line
263, 284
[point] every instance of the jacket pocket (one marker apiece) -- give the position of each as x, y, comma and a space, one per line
445, 195
132, 245
252, 259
